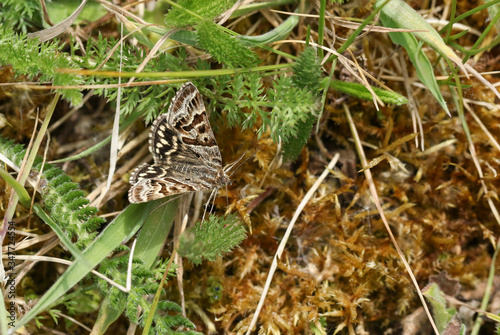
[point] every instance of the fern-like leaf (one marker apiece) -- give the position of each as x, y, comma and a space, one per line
64, 200
41, 60
306, 76
209, 9
144, 283
211, 239
147, 100
246, 102
20, 15
224, 48
292, 107
307, 71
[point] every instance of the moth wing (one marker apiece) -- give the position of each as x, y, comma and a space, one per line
185, 152
187, 116
146, 171
152, 189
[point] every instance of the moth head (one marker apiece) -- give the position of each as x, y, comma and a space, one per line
223, 179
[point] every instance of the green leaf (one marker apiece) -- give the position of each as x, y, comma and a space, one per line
442, 314
307, 77
212, 238
24, 197
406, 17
20, 15
292, 107
224, 48
359, 91
61, 10
62, 198
131, 219
150, 239
180, 16
277, 34
41, 60
492, 12
154, 233
425, 70
294, 144
307, 71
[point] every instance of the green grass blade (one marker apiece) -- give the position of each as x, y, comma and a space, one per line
24, 172
493, 11
280, 33
406, 17
359, 91
425, 70
108, 315
321, 26
113, 235
475, 10
128, 121
84, 153
24, 197
255, 6
75, 252
154, 232
149, 241
25, 200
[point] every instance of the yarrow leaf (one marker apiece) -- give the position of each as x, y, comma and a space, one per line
209, 9
211, 239
224, 48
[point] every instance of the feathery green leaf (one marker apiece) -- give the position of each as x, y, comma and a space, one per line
212, 238
224, 48
208, 9
42, 60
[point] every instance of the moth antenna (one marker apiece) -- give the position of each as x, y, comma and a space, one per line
230, 166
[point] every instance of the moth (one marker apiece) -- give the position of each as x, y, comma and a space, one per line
185, 154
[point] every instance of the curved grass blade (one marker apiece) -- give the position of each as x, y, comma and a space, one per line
25, 200
149, 241
131, 219
23, 195
51, 32
255, 6
128, 121
360, 91
406, 17
425, 71
280, 33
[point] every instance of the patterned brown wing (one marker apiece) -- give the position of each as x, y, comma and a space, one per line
185, 131
188, 117
165, 143
152, 189
147, 171
150, 182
